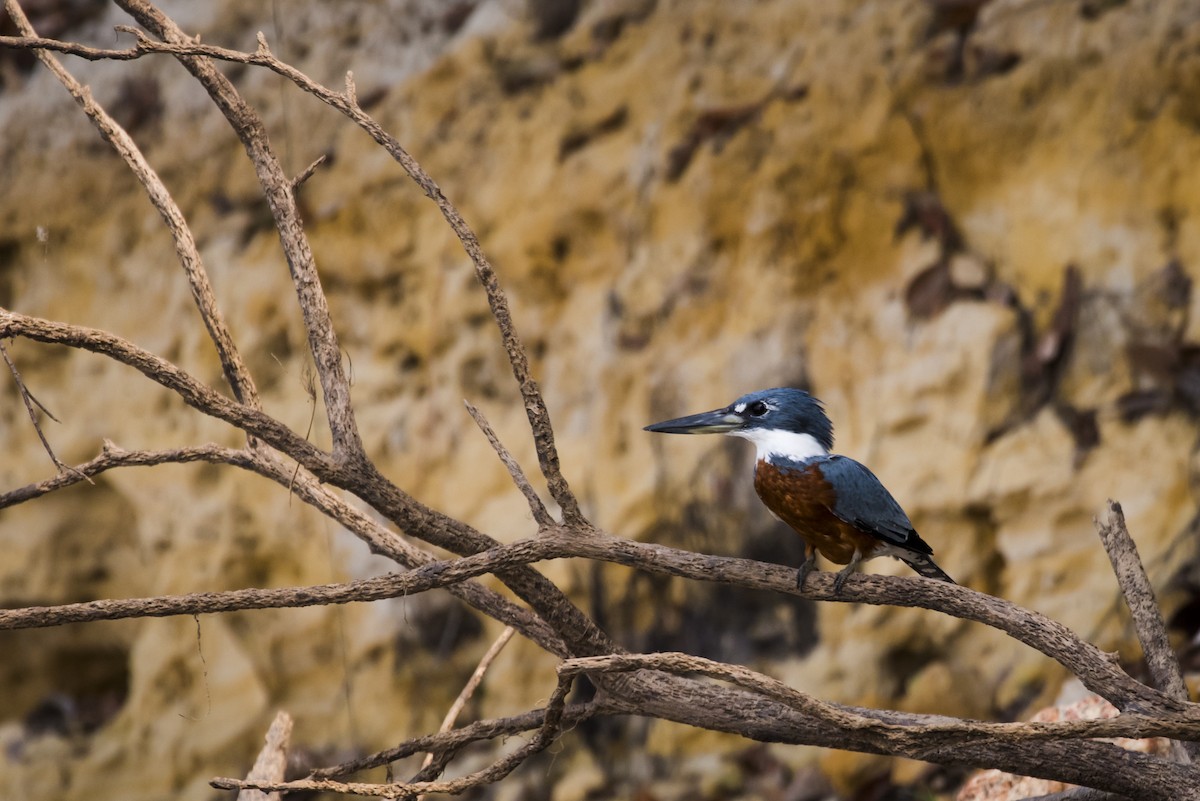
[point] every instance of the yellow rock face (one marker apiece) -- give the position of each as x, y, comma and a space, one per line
685, 202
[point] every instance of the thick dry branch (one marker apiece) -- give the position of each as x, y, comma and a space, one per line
921, 730
751, 715
1096, 670
232, 364
272, 759
1147, 618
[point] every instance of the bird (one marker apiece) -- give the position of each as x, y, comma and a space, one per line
837, 506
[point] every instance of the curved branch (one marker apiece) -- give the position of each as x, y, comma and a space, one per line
377, 537
159, 370
234, 368
277, 188
345, 102
1095, 669
913, 730
580, 634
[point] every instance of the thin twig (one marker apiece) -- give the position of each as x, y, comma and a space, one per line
472, 684
552, 726
536, 507
1143, 607
457, 739
29, 401
303, 177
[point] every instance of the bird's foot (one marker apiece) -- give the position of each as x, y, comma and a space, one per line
807, 566
840, 579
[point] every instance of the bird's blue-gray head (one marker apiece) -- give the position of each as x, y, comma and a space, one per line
784, 424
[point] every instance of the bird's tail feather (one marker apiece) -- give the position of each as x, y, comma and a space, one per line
924, 564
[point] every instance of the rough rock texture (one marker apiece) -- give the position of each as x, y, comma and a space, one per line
972, 238
995, 785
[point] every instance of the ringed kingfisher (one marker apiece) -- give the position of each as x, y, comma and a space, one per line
837, 505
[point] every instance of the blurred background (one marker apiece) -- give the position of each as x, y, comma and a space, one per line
969, 227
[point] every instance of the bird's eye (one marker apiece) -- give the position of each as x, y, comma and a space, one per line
757, 409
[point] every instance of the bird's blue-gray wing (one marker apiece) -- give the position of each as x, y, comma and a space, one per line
864, 502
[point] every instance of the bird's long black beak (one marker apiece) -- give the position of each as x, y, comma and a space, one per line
718, 421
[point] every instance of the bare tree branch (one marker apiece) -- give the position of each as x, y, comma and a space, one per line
29, 401
457, 739
1096, 669
469, 688
272, 759
185, 244
345, 102
923, 730
322, 338
1147, 619
1139, 595
536, 507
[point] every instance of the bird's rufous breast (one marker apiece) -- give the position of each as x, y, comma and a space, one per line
802, 498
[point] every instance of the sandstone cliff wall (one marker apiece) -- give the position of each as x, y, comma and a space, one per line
972, 236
